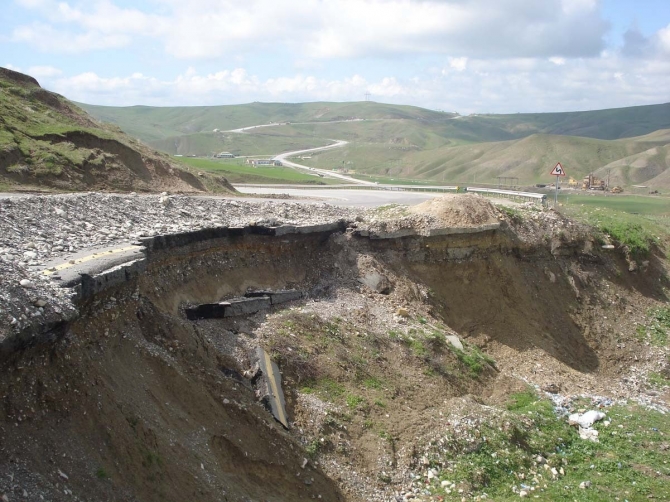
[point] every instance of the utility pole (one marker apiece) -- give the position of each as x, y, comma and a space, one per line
367, 96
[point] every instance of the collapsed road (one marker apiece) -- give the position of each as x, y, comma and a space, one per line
125, 383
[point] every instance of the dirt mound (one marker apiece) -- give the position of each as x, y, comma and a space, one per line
454, 210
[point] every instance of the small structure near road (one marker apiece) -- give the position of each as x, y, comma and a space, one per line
224, 155
260, 162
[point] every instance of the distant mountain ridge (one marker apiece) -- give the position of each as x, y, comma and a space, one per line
155, 123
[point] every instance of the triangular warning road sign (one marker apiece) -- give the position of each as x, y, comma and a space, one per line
558, 170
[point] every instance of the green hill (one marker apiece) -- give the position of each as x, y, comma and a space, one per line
46, 141
411, 142
156, 123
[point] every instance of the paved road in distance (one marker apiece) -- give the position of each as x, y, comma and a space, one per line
344, 197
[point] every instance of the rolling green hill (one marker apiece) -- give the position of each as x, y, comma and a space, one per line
411, 142
156, 123
46, 141
530, 159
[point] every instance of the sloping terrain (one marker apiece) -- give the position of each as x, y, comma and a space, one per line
154, 123
530, 159
415, 328
410, 142
46, 141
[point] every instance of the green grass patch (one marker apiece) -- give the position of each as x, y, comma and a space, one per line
512, 213
628, 461
417, 347
372, 383
658, 380
637, 231
354, 401
656, 329
660, 324
101, 473
473, 359
236, 171
522, 400
632, 204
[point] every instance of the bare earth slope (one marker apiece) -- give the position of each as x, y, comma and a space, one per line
46, 141
414, 327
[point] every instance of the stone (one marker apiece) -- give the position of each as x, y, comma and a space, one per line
30, 255
402, 312
454, 341
552, 388
584, 485
27, 283
376, 282
523, 493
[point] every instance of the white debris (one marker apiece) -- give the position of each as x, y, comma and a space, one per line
587, 419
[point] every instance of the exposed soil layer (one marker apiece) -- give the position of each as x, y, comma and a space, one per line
131, 401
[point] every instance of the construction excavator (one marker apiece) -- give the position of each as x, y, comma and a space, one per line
590, 182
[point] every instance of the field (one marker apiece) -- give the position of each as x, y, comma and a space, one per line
638, 222
633, 204
235, 171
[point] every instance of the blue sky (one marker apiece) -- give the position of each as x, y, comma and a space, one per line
469, 56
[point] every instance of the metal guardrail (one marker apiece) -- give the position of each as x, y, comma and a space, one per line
509, 194
397, 188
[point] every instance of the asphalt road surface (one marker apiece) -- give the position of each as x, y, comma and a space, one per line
344, 197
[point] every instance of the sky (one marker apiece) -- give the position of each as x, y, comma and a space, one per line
465, 56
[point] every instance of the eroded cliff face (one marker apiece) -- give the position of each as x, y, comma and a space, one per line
132, 401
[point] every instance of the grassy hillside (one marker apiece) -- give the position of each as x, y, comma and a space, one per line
255, 143
409, 142
236, 171
156, 123
46, 141
614, 123
530, 159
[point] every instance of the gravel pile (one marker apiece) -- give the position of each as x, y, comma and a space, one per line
37, 229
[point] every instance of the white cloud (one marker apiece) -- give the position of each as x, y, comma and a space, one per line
48, 39
43, 71
458, 64
500, 86
335, 29
664, 39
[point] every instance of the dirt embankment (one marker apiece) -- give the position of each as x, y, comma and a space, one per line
134, 402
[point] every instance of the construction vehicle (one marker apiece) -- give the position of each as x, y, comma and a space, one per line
572, 183
616, 190
590, 182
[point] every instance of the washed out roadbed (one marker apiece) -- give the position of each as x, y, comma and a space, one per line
437, 353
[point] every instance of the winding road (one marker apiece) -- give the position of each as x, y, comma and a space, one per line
282, 157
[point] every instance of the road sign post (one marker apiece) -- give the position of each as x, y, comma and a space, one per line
557, 171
